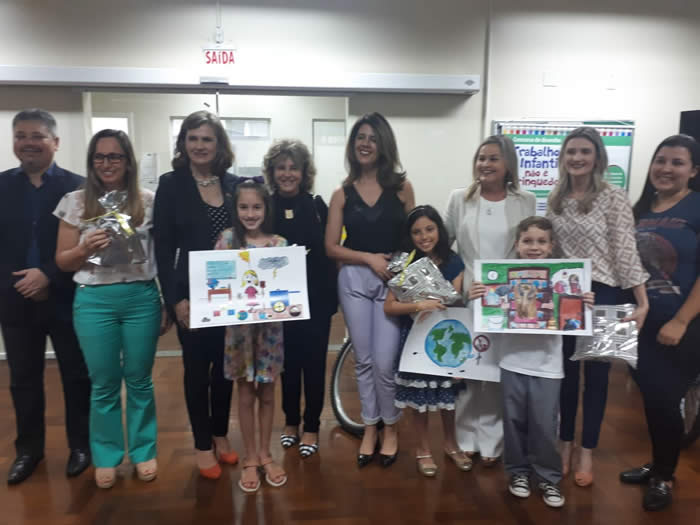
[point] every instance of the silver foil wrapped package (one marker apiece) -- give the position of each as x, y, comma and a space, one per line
612, 338
421, 280
125, 245
399, 261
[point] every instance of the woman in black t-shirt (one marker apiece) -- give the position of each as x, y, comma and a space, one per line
668, 224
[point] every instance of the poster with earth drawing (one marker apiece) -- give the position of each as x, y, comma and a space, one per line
443, 343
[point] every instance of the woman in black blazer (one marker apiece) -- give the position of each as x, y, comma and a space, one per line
193, 205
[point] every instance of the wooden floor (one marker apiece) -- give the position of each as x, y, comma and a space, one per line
328, 488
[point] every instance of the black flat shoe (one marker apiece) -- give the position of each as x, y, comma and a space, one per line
78, 460
637, 476
388, 460
658, 495
22, 468
365, 459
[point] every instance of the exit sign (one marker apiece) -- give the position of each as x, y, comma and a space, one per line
218, 55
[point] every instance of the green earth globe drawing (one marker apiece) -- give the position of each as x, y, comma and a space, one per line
448, 343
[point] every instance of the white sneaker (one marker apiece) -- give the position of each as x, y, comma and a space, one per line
551, 494
519, 485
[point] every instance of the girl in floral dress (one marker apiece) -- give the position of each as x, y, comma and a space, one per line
254, 353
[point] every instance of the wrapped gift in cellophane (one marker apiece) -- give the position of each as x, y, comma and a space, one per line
613, 339
419, 280
125, 244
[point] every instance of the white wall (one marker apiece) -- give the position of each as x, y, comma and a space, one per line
647, 50
66, 106
435, 136
150, 113
393, 36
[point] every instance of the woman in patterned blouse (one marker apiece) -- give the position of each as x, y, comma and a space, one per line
594, 220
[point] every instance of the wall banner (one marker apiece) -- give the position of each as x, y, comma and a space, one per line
537, 144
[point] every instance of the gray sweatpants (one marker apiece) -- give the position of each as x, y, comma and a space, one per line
375, 337
530, 411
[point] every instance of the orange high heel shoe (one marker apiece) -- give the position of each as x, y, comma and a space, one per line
230, 458
213, 472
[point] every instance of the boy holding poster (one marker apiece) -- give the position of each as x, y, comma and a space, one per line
531, 373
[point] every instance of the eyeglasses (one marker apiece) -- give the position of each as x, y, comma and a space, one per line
113, 158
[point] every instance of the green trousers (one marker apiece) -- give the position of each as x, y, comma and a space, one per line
117, 326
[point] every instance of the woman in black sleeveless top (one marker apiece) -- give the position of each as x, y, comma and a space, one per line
301, 219
372, 204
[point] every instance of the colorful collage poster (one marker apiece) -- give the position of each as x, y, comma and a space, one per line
537, 146
260, 285
443, 343
531, 296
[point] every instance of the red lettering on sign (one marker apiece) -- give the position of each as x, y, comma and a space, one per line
224, 56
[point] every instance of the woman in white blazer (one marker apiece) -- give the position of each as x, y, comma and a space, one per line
482, 219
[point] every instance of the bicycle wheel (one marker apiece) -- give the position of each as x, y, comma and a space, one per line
345, 399
690, 410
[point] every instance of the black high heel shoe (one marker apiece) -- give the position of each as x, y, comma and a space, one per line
388, 460
365, 459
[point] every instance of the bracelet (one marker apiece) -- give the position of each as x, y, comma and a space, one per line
417, 308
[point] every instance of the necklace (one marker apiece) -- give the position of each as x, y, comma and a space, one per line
213, 179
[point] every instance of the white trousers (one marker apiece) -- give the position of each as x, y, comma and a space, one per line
479, 418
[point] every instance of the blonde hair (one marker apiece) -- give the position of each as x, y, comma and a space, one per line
250, 272
510, 158
597, 184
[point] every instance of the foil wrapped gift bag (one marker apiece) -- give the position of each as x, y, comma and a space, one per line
612, 339
125, 243
419, 280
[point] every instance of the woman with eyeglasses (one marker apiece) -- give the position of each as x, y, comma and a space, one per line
193, 205
117, 309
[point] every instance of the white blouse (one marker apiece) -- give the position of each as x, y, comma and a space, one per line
494, 234
70, 209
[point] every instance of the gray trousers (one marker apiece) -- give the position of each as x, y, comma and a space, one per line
375, 337
530, 411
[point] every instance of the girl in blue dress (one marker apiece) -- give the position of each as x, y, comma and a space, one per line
426, 233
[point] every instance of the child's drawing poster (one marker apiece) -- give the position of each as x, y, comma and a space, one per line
442, 343
257, 285
530, 296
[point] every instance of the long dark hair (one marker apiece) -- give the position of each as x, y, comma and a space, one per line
268, 224
94, 188
442, 247
224, 157
390, 174
643, 205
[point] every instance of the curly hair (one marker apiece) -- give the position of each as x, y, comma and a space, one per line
295, 150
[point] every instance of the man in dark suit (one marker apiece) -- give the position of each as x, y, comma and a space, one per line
36, 297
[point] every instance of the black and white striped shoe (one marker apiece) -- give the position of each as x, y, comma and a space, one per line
289, 440
308, 450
